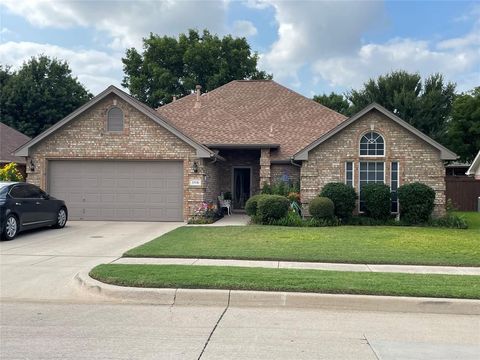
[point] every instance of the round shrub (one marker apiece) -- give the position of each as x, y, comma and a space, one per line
252, 204
377, 200
416, 202
343, 197
271, 208
321, 208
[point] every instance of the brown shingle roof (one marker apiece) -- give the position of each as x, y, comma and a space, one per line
253, 112
10, 140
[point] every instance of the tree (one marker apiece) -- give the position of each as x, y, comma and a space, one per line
335, 102
39, 94
464, 126
426, 106
171, 66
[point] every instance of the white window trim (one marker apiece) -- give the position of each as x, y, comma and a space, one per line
373, 156
353, 172
398, 183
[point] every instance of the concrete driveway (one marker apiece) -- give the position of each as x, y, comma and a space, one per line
41, 264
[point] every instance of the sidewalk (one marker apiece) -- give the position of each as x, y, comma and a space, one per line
411, 269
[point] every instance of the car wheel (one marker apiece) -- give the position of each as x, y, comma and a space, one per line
62, 217
11, 228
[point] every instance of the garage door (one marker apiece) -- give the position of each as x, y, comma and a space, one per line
119, 190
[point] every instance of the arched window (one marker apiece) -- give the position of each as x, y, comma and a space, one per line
115, 119
372, 144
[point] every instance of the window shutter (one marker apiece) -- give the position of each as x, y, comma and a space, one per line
115, 119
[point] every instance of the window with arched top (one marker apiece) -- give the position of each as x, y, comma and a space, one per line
372, 144
115, 119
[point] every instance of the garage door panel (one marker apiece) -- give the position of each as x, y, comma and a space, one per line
119, 190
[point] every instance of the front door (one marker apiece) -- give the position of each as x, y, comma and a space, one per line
241, 187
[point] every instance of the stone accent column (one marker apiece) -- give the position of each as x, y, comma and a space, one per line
264, 167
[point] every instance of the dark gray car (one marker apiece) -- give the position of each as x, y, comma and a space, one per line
25, 206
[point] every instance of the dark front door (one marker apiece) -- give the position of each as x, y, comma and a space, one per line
241, 187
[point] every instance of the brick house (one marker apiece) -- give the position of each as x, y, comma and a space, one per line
115, 158
10, 140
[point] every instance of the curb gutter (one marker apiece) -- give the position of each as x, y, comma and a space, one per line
243, 298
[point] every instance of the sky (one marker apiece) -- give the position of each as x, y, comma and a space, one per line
313, 47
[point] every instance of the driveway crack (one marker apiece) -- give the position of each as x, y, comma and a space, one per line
215, 327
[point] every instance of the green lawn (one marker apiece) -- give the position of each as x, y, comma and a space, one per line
335, 282
351, 244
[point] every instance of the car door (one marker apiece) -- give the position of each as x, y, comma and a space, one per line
22, 205
44, 212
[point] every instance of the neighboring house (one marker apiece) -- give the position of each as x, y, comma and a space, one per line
117, 159
10, 140
474, 169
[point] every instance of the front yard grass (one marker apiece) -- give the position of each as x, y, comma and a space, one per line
348, 244
318, 281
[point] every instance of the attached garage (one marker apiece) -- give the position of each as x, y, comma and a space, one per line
118, 190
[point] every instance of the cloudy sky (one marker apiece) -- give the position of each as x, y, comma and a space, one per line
311, 46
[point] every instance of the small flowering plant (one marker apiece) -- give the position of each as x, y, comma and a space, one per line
10, 172
205, 213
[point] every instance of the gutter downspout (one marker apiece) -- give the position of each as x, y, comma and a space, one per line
293, 162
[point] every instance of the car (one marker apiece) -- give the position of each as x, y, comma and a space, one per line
25, 206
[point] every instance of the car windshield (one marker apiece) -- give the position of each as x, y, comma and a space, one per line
3, 191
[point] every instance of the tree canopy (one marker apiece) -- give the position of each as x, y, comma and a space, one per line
425, 105
170, 66
39, 94
334, 101
463, 131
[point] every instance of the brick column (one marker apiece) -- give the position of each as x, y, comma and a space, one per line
264, 167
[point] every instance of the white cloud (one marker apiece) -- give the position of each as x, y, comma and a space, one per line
317, 29
126, 22
372, 60
244, 28
95, 69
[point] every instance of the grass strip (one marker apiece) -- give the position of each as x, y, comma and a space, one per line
267, 279
347, 244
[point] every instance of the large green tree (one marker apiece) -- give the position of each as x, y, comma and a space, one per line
334, 101
463, 131
39, 94
426, 105
171, 66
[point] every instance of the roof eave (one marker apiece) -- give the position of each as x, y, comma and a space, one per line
475, 164
201, 150
445, 154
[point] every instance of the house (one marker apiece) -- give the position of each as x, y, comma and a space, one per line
115, 158
10, 140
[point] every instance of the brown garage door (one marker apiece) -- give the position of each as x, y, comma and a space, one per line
119, 190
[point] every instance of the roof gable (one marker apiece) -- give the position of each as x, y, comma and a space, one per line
11, 139
445, 154
202, 151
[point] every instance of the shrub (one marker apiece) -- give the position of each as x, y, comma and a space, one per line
280, 188
251, 205
377, 200
10, 172
321, 208
449, 221
416, 202
291, 219
343, 197
272, 207
294, 197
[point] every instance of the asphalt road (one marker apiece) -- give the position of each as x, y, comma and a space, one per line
46, 330
42, 316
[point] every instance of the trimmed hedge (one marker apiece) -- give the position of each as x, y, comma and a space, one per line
252, 204
271, 208
377, 200
343, 197
416, 202
321, 208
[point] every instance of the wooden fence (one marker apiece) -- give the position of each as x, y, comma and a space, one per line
463, 191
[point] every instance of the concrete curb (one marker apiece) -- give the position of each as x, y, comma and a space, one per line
241, 298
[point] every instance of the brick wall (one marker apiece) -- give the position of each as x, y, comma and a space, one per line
418, 160
279, 171
86, 138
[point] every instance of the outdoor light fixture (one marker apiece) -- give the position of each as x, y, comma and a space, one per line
195, 167
31, 166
